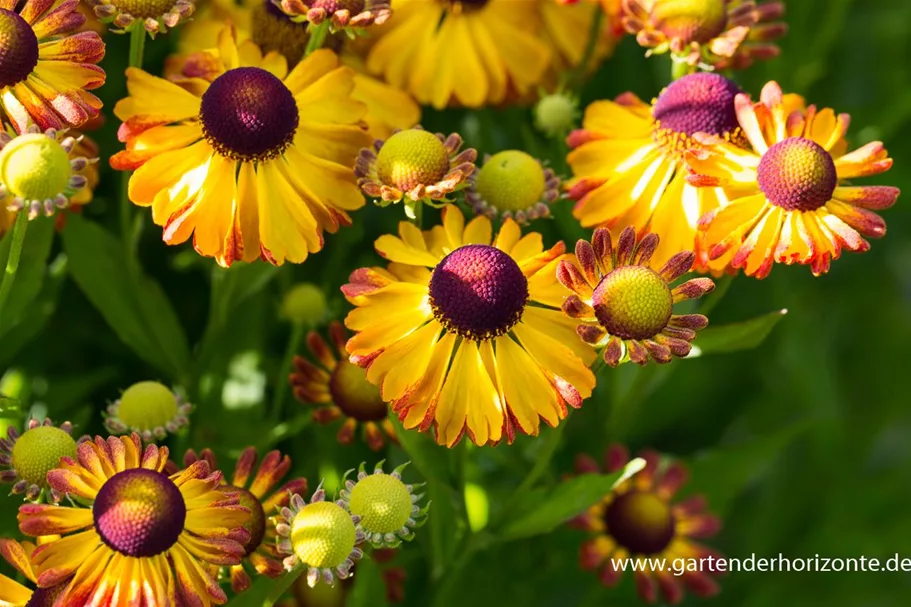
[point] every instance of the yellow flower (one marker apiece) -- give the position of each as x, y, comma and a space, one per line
387, 507
341, 14
148, 408
723, 34
155, 16
321, 536
461, 331
624, 305
41, 173
414, 165
257, 165
255, 489
640, 520
340, 390
14, 594
512, 184
789, 199
462, 52
628, 168
46, 68
28, 457
388, 108
567, 26
144, 537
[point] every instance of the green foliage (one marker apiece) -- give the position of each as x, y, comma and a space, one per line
797, 435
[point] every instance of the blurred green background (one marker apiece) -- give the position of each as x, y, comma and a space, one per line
803, 445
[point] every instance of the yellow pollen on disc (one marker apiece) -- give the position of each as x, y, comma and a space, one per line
34, 167
382, 501
144, 9
38, 451
690, 20
147, 405
412, 158
633, 302
323, 535
511, 181
354, 394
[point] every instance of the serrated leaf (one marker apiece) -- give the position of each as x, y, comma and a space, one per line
135, 307
542, 511
736, 336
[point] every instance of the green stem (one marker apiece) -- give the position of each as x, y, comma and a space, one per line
679, 69
281, 377
282, 585
137, 47
419, 214
12, 263
317, 37
594, 34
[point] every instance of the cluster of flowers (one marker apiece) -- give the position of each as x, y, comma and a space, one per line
266, 132
141, 529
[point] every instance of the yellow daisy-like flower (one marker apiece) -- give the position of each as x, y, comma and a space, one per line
415, 166
256, 491
150, 409
257, 165
705, 32
155, 16
624, 305
14, 594
321, 536
789, 199
341, 389
388, 108
28, 457
41, 173
513, 184
387, 507
462, 52
628, 163
341, 14
46, 68
461, 330
147, 538
567, 26
639, 519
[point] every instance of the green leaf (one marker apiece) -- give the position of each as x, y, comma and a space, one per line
542, 511
31, 273
369, 588
135, 307
737, 336
36, 314
724, 472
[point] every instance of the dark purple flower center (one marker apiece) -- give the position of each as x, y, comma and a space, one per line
698, 103
139, 512
478, 291
257, 523
45, 597
641, 522
797, 174
18, 48
248, 115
